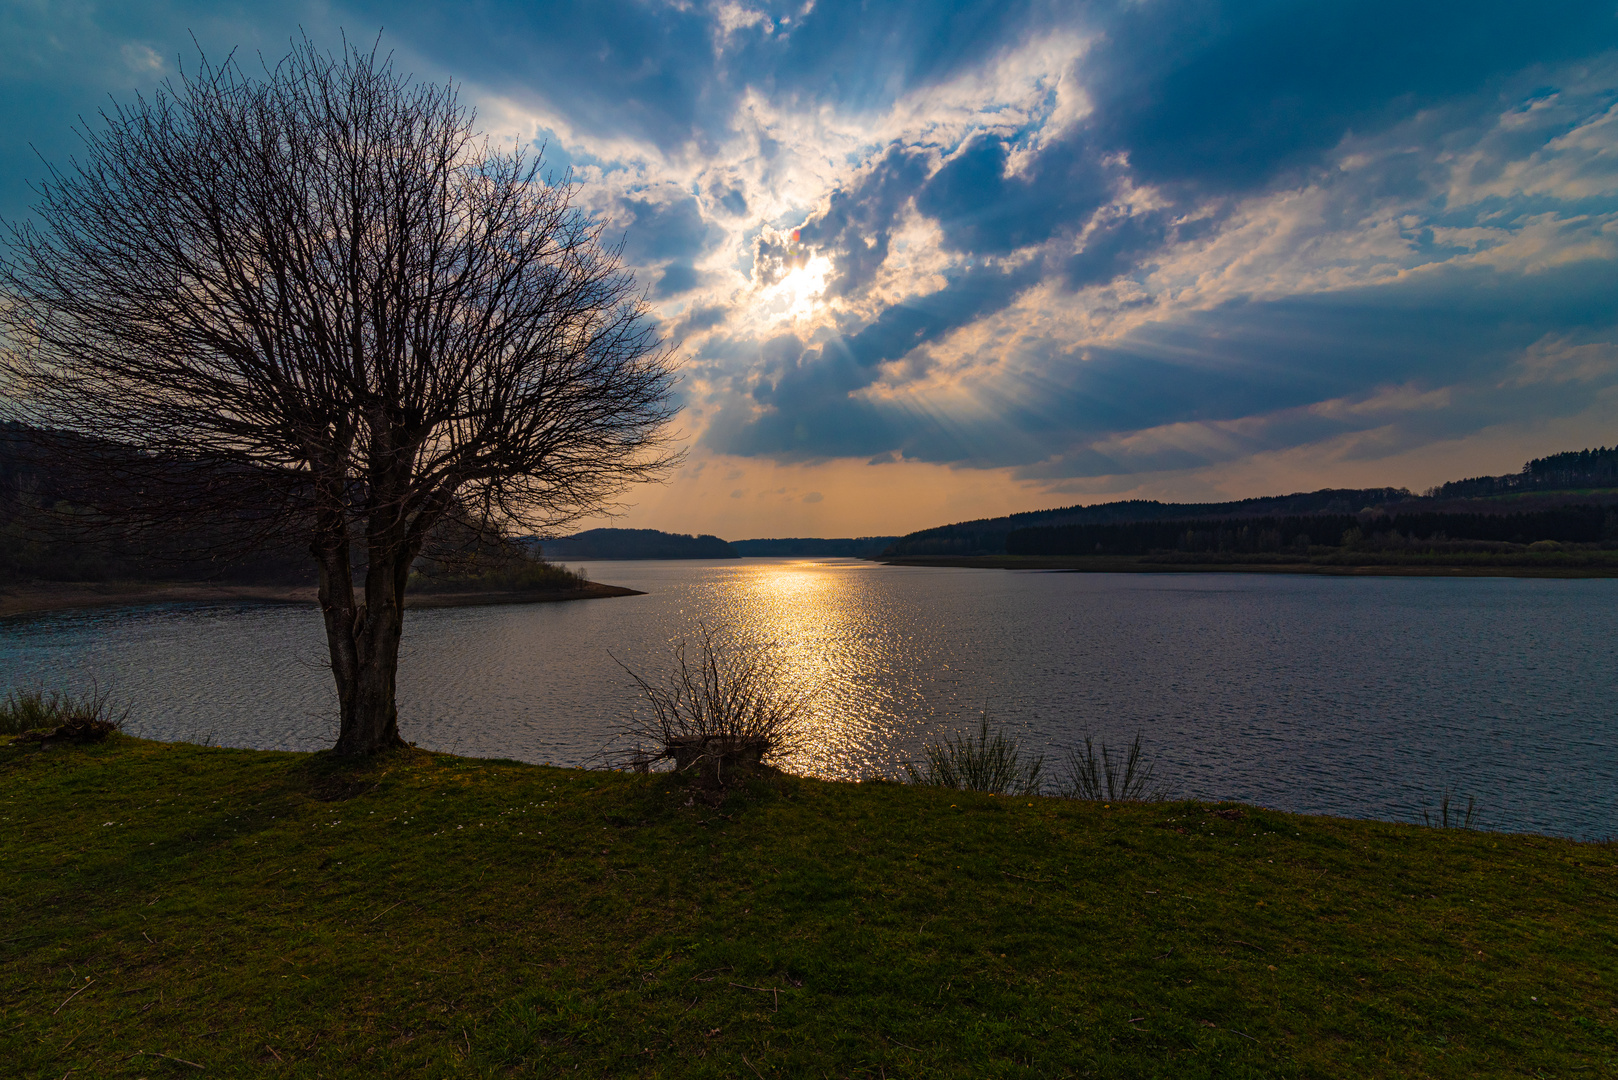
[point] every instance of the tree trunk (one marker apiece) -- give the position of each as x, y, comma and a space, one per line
364, 641
370, 723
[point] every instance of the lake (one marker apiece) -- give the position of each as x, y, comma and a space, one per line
1366, 697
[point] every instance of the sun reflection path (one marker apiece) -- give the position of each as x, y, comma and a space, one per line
835, 642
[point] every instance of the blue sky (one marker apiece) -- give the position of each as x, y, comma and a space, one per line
931, 262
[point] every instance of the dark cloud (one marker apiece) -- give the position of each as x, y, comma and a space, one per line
729, 196
697, 320
664, 232
1223, 97
663, 225
678, 278
808, 410
985, 210
1113, 245
611, 66
670, 75
864, 55
855, 227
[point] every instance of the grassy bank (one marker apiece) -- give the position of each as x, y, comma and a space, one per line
177, 910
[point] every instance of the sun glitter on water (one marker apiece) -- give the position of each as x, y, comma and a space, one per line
802, 612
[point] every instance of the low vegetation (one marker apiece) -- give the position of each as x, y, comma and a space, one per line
1092, 773
520, 575
729, 705
80, 717
989, 762
992, 762
180, 910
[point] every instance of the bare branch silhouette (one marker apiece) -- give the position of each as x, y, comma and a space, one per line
317, 303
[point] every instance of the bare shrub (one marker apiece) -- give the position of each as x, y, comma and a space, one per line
1095, 775
989, 762
732, 705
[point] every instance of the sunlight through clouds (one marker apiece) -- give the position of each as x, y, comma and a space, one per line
1012, 253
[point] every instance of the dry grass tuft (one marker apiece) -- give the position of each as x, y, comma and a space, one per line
54, 716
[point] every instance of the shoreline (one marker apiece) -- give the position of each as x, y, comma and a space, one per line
40, 597
1104, 564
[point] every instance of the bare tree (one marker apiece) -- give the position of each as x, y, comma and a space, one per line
318, 300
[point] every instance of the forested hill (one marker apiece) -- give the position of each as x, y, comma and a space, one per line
1576, 469
654, 544
1580, 471
988, 536
635, 544
47, 535
814, 547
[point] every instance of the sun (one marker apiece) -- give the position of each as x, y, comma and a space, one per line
799, 293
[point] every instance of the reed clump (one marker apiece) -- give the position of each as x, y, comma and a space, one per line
516, 575
1448, 817
989, 761
1093, 774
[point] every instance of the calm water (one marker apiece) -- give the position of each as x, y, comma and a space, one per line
1363, 697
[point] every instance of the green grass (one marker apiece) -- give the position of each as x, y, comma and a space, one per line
268, 914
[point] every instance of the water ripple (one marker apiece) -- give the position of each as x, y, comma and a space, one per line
1357, 696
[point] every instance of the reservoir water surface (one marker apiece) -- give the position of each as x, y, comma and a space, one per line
1366, 697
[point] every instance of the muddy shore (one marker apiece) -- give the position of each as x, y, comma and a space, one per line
37, 597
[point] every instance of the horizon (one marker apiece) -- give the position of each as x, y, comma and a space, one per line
1424, 493
993, 259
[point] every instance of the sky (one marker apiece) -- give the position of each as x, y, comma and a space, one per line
929, 262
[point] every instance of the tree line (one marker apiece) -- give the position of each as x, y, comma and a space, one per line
1596, 468
1568, 525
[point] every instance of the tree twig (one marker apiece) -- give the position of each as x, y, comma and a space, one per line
73, 995
765, 990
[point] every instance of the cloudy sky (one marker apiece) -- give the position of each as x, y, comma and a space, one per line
932, 262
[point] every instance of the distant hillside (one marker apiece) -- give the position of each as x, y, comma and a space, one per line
635, 544
1596, 468
988, 536
1533, 489
654, 544
856, 547
47, 535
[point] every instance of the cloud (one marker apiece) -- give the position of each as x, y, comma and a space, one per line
1072, 246
1226, 97
856, 226
801, 403
987, 210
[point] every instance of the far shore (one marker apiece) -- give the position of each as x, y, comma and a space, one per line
42, 596
1123, 564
